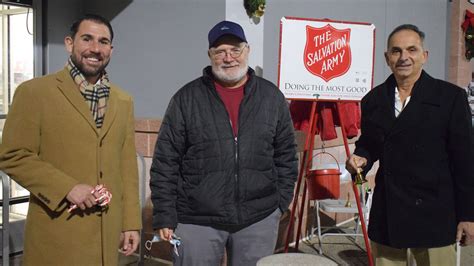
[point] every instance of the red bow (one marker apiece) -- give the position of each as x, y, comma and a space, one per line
468, 20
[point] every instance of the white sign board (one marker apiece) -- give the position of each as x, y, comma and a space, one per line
326, 60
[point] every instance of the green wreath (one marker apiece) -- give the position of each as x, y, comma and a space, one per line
254, 8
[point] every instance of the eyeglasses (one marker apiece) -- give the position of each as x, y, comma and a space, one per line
222, 53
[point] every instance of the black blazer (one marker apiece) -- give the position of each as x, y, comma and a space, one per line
425, 181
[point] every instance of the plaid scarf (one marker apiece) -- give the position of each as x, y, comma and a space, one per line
96, 95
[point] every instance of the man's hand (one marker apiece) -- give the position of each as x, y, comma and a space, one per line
81, 195
166, 233
465, 233
354, 163
129, 241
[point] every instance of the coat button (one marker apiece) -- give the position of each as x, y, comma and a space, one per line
418, 201
101, 174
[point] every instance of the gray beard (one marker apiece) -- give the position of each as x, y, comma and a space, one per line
220, 75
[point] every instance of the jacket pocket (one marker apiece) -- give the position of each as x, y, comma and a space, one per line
259, 184
209, 197
426, 180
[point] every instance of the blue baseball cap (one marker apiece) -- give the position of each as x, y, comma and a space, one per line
225, 28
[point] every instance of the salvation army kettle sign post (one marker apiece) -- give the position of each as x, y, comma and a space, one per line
325, 60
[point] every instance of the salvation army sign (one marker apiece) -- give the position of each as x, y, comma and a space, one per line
325, 60
327, 53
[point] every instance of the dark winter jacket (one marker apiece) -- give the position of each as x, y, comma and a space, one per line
425, 181
202, 175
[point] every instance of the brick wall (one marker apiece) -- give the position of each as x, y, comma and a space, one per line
460, 69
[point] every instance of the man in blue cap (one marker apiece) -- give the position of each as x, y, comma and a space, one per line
224, 165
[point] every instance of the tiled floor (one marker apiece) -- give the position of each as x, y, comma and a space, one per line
131, 261
347, 251
124, 261
340, 249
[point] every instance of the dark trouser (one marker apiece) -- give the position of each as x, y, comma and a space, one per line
204, 245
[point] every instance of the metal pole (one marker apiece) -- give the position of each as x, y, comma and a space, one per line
355, 189
5, 218
142, 179
307, 149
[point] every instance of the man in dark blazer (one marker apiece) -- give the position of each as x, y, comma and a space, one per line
419, 129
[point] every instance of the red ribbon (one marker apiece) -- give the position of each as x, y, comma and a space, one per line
468, 20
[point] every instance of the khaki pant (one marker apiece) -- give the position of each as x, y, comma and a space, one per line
388, 256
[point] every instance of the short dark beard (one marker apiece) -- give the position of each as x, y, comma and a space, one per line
86, 73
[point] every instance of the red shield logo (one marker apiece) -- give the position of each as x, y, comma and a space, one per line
327, 53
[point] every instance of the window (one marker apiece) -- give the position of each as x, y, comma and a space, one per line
16, 66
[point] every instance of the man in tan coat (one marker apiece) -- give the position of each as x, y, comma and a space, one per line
65, 134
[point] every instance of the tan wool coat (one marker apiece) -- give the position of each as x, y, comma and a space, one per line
50, 144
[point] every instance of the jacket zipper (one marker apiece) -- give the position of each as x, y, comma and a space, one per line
236, 178
236, 160
236, 174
